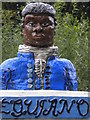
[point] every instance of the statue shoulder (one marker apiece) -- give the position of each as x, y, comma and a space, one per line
6, 71
67, 63
9, 63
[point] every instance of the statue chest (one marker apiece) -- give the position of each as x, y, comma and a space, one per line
50, 76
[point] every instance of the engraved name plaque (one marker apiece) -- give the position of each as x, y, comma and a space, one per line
39, 104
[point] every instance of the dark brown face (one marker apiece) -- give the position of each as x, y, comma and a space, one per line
38, 31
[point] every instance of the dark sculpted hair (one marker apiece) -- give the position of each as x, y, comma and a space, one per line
38, 8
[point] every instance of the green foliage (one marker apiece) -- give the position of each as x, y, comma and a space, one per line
71, 37
72, 40
11, 34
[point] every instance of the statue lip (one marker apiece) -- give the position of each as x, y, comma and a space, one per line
39, 35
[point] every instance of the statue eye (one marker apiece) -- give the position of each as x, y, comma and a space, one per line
31, 24
45, 24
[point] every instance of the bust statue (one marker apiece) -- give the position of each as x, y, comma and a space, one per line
37, 66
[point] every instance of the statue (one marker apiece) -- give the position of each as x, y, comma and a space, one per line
37, 66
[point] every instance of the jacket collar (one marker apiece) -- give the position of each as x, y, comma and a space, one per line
36, 52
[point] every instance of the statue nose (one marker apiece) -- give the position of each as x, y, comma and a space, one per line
38, 28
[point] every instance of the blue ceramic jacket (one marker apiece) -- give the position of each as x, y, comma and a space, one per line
18, 74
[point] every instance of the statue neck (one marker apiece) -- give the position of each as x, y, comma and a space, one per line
40, 56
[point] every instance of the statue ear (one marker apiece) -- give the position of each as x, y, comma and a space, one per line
54, 31
23, 31
22, 26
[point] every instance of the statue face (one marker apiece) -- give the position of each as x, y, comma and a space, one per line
38, 31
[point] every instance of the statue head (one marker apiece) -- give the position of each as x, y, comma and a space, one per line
38, 24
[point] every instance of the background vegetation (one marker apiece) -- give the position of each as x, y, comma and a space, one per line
71, 37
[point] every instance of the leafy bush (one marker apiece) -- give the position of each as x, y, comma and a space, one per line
72, 40
11, 34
